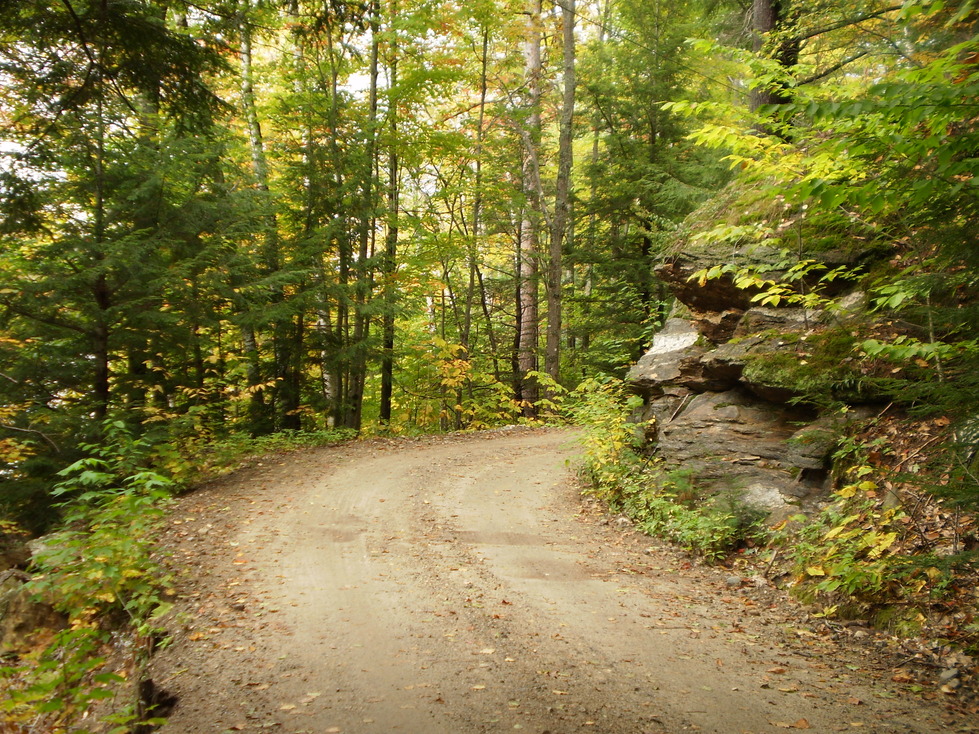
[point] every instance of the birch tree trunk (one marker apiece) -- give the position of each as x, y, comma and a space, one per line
528, 252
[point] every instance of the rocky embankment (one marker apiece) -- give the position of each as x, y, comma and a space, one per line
749, 401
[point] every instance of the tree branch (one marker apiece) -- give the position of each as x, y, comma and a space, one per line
848, 22
831, 69
33, 430
49, 320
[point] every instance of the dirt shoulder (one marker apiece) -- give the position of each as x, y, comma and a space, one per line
460, 584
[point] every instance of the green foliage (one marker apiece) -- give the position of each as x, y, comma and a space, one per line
903, 349
191, 460
666, 505
112, 205
60, 684
878, 163
601, 406
800, 283
637, 183
100, 563
115, 466
849, 557
822, 369
100, 571
443, 387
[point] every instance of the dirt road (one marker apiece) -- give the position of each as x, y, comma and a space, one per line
456, 585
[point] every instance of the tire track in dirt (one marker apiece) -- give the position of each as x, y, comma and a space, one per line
453, 585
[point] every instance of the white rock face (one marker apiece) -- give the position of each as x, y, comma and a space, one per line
677, 334
671, 346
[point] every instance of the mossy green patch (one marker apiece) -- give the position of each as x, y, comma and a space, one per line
825, 366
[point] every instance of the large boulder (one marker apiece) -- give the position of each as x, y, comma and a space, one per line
680, 357
672, 359
716, 414
719, 429
736, 445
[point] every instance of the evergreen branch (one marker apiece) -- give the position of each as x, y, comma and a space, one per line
93, 61
49, 320
80, 29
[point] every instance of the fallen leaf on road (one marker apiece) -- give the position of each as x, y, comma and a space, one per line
800, 724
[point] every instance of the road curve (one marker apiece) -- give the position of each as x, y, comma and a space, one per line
456, 585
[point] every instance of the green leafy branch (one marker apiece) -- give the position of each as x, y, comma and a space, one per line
98, 569
788, 289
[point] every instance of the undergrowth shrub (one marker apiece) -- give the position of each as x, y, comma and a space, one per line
52, 685
194, 459
99, 569
667, 505
859, 557
610, 442
663, 504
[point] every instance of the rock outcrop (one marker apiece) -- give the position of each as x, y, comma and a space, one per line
27, 617
14, 550
736, 436
728, 385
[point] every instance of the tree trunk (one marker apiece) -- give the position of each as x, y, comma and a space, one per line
338, 384
391, 239
596, 127
771, 25
365, 235
100, 288
562, 200
259, 409
477, 215
527, 303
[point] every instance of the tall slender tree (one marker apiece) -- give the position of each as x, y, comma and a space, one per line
391, 237
562, 197
531, 220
